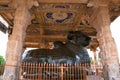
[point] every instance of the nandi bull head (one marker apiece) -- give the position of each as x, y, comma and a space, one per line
78, 38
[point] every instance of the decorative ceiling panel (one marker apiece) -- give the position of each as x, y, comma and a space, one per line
59, 17
59, 13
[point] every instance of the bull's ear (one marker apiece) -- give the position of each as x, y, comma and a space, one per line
87, 41
70, 35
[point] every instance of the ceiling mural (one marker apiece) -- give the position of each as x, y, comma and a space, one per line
59, 13
59, 17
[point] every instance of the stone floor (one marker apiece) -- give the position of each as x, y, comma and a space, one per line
1, 77
93, 77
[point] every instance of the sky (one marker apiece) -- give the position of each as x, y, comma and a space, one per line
114, 29
3, 40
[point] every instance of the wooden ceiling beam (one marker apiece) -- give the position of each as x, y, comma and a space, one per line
6, 10
47, 37
51, 27
115, 1
32, 44
4, 2
88, 30
63, 1
59, 9
117, 13
37, 45
62, 27
29, 42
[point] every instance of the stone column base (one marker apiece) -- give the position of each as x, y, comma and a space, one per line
93, 77
116, 78
10, 73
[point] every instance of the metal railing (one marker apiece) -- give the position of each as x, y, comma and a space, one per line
46, 71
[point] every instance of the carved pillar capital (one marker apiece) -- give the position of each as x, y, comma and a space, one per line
97, 3
23, 3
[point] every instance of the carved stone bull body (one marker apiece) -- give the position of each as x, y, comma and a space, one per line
73, 51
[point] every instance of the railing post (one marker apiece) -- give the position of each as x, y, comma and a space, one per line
39, 71
20, 71
61, 68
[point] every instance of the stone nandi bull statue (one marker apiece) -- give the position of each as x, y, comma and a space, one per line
73, 51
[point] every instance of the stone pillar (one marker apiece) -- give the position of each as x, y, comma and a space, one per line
107, 44
15, 44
